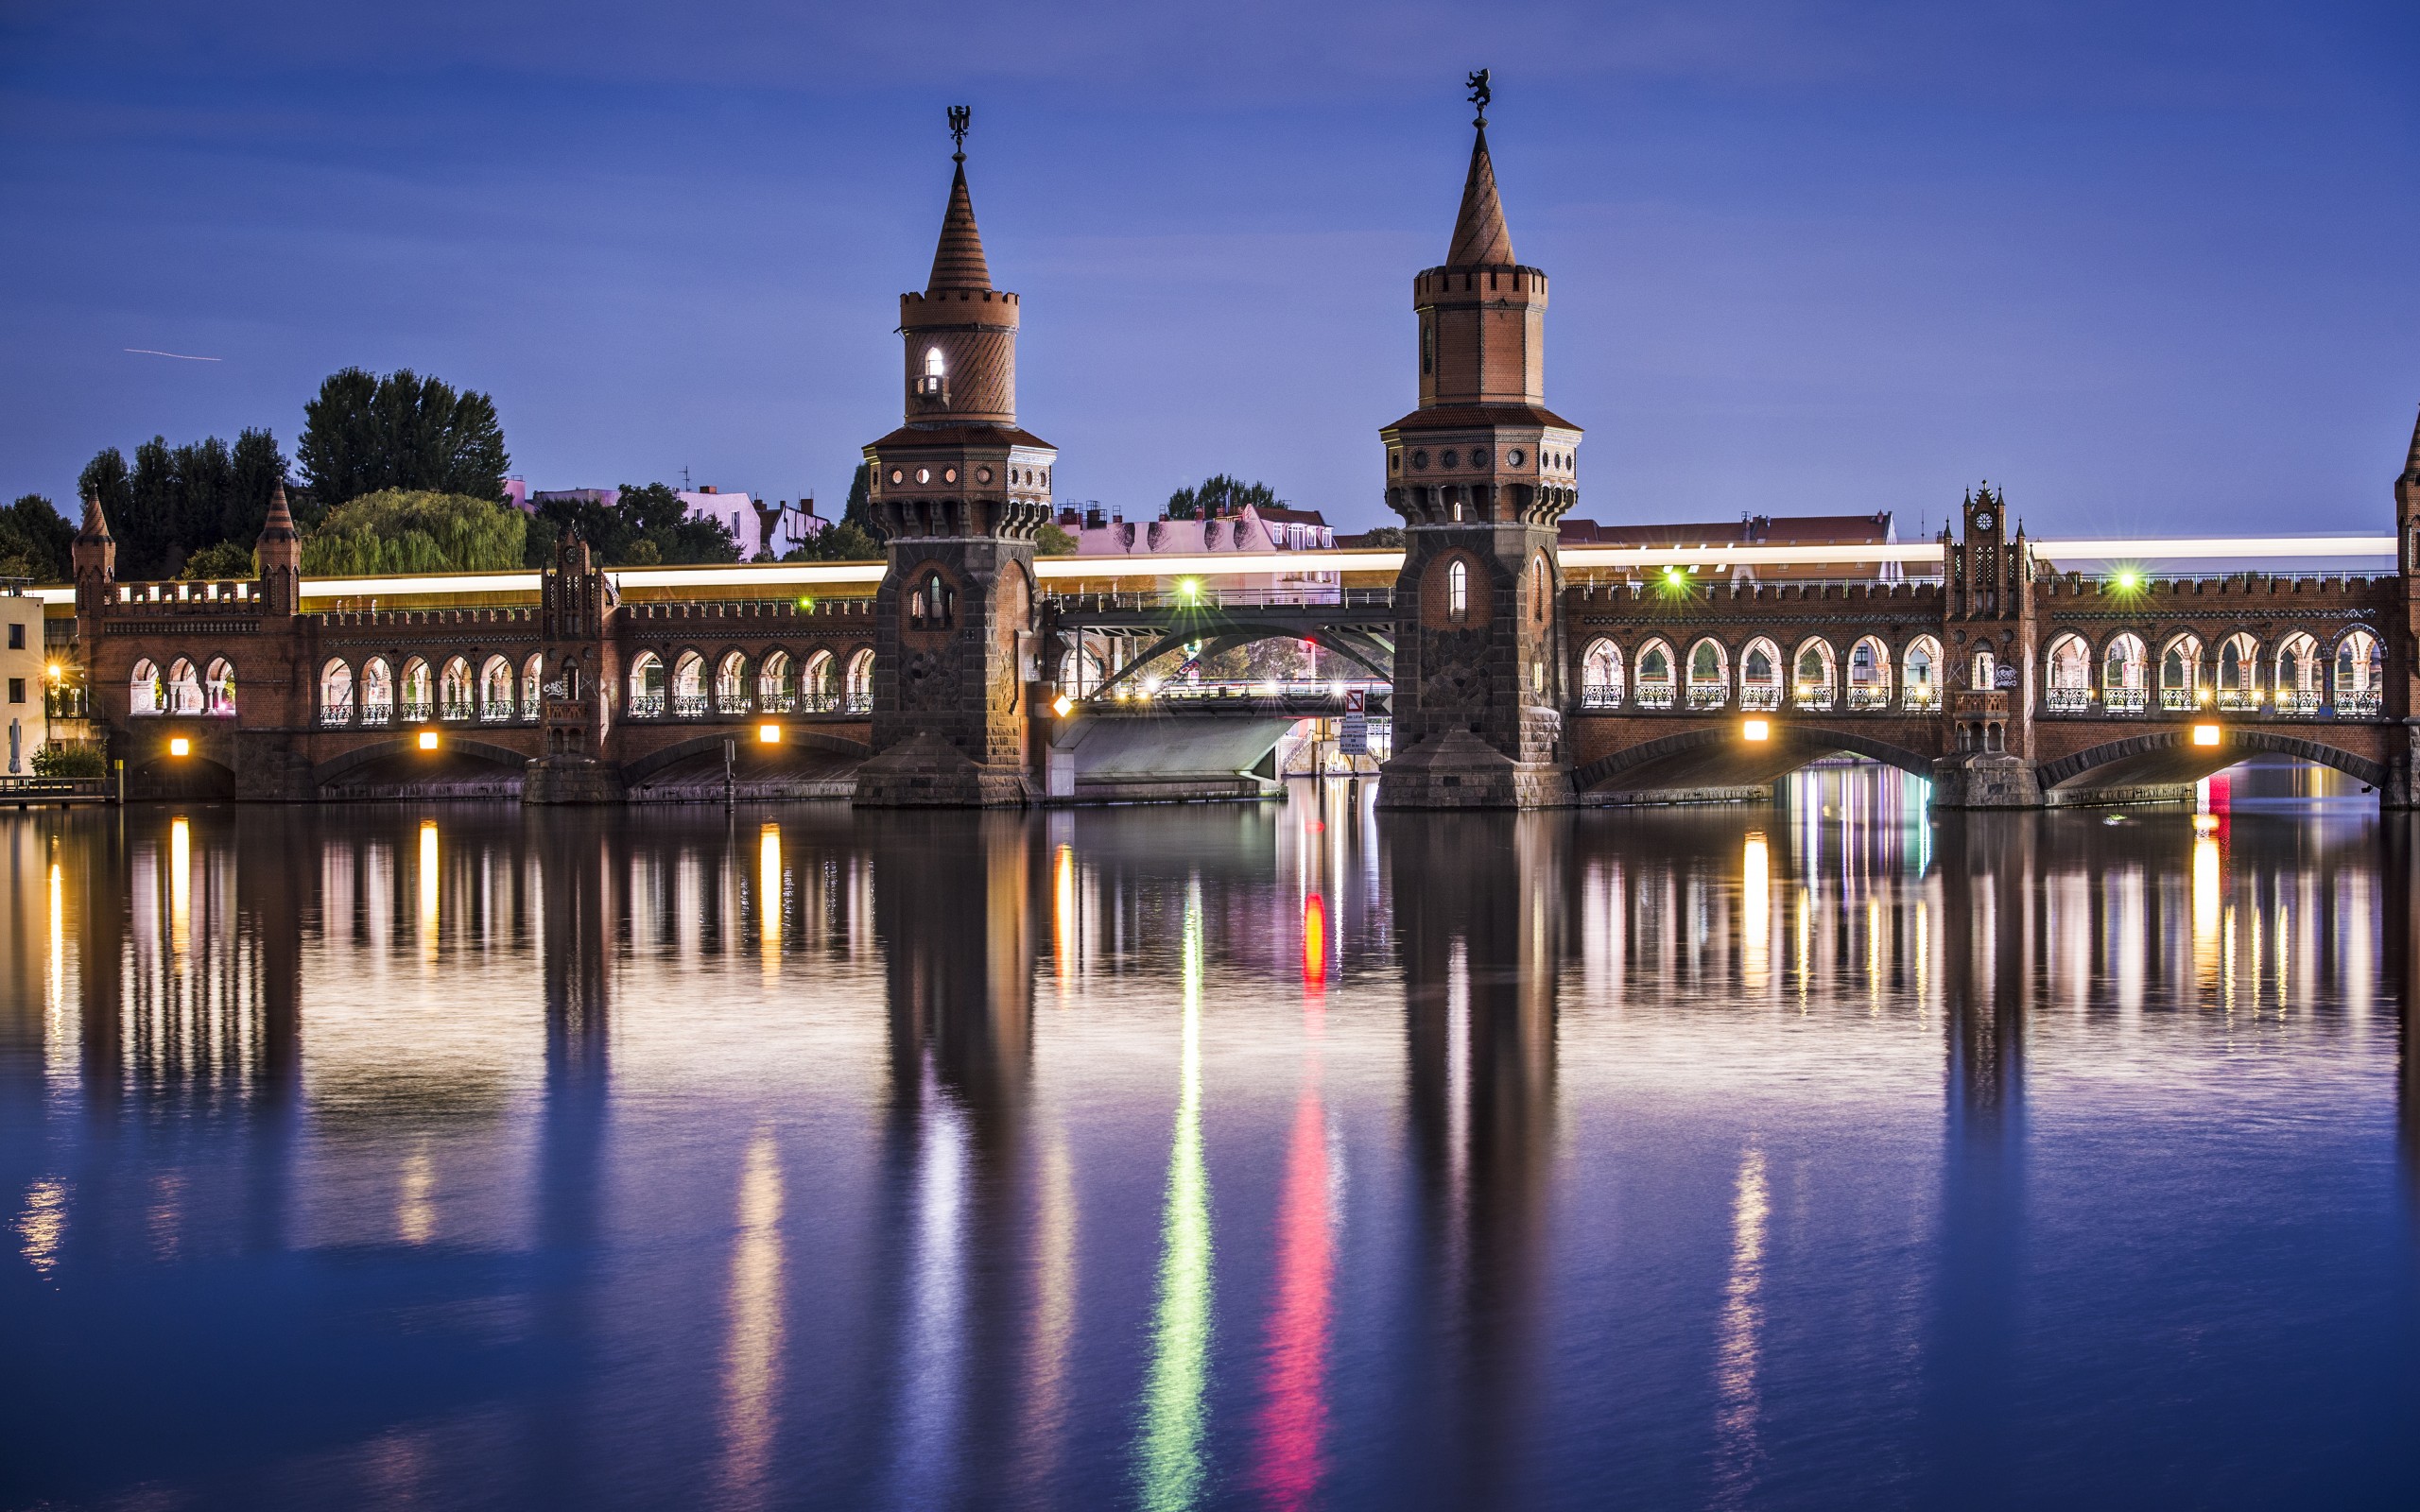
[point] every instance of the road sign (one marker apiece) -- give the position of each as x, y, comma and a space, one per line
1357, 703
1353, 738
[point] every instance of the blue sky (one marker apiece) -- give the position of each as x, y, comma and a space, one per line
2151, 267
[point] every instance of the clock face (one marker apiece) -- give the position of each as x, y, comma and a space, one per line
1983, 521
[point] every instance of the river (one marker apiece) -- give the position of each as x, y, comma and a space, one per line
1820, 1155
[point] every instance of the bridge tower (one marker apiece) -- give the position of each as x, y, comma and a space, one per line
959, 492
95, 553
1988, 642
1481, 473
2403, 769
578, 667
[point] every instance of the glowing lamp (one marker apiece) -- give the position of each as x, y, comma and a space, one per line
428, 739
179, 746
804, 603
2128, 580
768, 735
1063, 706
2205, 734
1756, 730
1188, 588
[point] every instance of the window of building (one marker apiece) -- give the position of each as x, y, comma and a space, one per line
16, 685
16, 637
1458, 589
932, 362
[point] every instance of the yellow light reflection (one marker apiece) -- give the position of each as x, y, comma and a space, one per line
43, 1224
57, 982
1047, 1379
1756, 912
428, 887
1063, 917
180, 884
2206, 907
415, 1204
753, 1356
769, 890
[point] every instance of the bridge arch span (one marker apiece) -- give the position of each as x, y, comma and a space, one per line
654, 762
409, 744
1680, 759
2170, 756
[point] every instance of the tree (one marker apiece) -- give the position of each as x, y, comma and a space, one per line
1052, 542
647, 525
32, 531
364, 434
859, 509
1219, 494
398, 530
844, 541
177, 500
1384, 538
229, 558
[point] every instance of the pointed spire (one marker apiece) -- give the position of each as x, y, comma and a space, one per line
1480, 239
280, 523
958, 261
2411, 463
97, 525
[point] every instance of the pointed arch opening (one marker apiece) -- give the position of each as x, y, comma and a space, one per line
777, 683
2067, 676
689, 686
2360, 675
730, 684
1868, 673
1600, 675
819, 687
859, 692
1814, 674
336, 692
1920, 682
1760, 679
497, 704
2125, 675
377, 692
646, 683
2180, 673
1655, 675
1710, 673
2238, 684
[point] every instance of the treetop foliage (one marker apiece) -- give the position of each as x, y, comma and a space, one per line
401, 530
364, 434
177, 500
1219, 494
35, 542
646, 525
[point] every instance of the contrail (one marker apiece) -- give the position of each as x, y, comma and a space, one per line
149, 352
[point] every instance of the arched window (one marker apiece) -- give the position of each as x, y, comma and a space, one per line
1656, 676
453, 690
184, 688
1986, 670
1922, 687
1600, 675
416, 695
2300, 673
1814, 674
2180, 673
2067, 675
689, 686
817, 692
377, 691
336, 692
497, 704
1709, 675
859, 693
218, 689
2239, 672
646, 682
932, 362
533, 691
730, 684
2360, 675
1540, 589
2125, 668
776, 693
1760, 676
144, 693
1457, 590
933, 603
1080, 673
1868, 673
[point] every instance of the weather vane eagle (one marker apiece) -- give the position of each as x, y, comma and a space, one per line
1481, 94
958, 115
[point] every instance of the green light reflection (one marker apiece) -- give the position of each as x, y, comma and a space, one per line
1169, 1457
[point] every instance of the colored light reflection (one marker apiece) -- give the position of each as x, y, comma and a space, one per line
1168, 1458
1314, 940
752, 1356
180, 884
1293, 1423
428, 886
1063, 917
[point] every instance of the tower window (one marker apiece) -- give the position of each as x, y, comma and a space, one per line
932, 362
1427, 346
1458, 589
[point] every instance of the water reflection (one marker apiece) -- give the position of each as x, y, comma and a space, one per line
1696, 1156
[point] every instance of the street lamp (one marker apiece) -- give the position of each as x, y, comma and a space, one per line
1756, 730
179, 746
768, 735
428, 739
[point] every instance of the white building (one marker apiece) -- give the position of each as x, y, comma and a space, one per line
1249, 529
23, 671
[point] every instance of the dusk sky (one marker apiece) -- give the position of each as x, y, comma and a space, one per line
2153, 268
